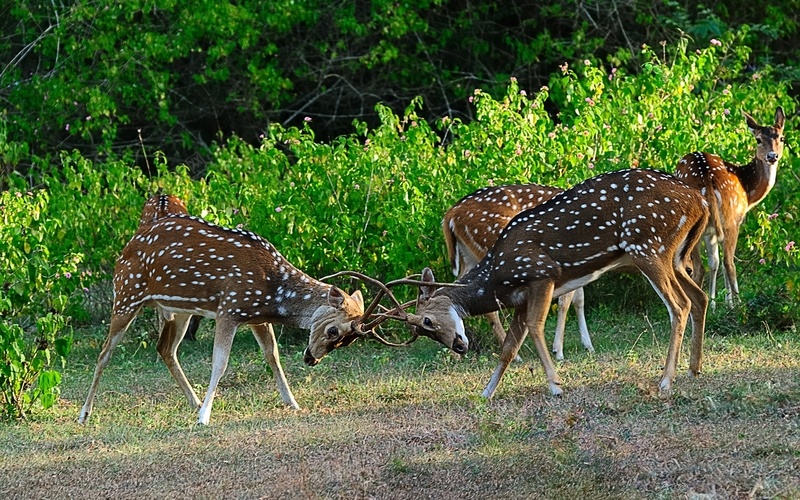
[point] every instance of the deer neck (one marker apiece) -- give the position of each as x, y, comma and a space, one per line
299, 304
756, 178
478, 293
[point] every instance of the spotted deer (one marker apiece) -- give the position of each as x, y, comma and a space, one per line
731, 192
643, 218
183, 266
471, 227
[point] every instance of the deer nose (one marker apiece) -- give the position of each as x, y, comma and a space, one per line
772, 157
309, 359
459, 347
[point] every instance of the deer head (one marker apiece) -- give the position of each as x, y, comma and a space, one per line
770, 139
159, 206
441, 320
332, 330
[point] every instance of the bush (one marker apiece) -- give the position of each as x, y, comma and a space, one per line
103, 76
27, 376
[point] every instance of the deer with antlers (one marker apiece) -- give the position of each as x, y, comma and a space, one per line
731, 192
643, 218
471, 227
183, 266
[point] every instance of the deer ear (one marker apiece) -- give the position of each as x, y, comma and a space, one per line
425, 291
335, 297
751, 123
780, 119
359, 299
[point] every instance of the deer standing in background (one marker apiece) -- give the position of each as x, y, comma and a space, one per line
731, 192
471, 227
643, 218
184, 266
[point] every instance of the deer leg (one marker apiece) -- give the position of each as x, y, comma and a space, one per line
666, 284
579, 302
712, 251
576, 298
699, 301
540, 295
171, 336
564, 302
516, 335
194, 324
698, 271
223, 340
119, 325
728, 254
497, 328
265, 335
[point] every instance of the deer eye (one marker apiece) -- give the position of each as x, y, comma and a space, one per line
758, 140
427, 323
332, 332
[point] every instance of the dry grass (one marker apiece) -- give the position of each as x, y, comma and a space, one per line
409, 423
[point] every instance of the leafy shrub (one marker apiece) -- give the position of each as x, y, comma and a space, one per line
27, 376
37, 271
373, 200
772, 305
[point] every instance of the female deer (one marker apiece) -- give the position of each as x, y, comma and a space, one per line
731, 192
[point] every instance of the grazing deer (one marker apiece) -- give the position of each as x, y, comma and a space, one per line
643, 218
184, 266
731, 192
471, 227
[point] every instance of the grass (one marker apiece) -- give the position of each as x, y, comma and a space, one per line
409, 423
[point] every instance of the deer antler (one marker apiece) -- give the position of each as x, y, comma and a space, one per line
365, 327
398, 313
408, 281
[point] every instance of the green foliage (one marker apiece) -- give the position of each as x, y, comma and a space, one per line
27, 375
11, 153
37, 272
772, 305
373, 200
41, 281
101, 76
